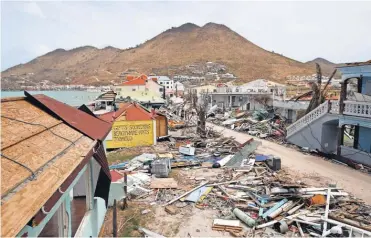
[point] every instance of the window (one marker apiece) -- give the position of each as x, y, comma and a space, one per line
161, 89
240, 99
167, 82
167, 86
160, 82
133, 89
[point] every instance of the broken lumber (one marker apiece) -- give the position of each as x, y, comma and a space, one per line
186, 193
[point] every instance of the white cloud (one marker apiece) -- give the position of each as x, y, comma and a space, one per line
34, 9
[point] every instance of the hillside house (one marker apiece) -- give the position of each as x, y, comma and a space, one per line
142, 90
55, 178
166, 82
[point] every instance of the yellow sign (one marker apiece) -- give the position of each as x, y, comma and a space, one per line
131, 134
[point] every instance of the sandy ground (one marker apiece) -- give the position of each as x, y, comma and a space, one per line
311, 167
199, 225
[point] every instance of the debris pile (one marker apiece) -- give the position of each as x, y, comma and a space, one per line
259, 123
251, 193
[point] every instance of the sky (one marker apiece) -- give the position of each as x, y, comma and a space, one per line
337, 31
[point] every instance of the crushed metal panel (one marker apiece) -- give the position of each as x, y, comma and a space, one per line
244, 153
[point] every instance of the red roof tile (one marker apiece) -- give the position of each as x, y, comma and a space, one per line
81, 121
137, 81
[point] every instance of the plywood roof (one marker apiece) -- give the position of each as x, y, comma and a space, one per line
43, 144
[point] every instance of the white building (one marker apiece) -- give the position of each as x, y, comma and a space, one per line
166, 82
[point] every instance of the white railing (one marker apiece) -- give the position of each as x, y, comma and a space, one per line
361, 109
334, 106
307, 119
353, 108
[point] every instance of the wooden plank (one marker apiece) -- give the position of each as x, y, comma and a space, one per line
223, 222
19, 208
12, 131
34, 153
163, 183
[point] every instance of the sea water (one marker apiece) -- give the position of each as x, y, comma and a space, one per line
73, 98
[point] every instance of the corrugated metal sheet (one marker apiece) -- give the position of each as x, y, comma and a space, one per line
132, 112
81, 121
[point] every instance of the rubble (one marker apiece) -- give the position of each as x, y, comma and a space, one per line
251, 192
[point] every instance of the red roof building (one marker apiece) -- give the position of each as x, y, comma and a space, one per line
129, 112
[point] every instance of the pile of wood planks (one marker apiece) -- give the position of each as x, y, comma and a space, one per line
227, 225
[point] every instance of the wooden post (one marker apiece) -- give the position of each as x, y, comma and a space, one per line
89, 186
114, 219
125, 202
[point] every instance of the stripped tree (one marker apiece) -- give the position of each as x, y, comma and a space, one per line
318, 94
200, 106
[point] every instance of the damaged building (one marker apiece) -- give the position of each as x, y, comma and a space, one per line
340, 127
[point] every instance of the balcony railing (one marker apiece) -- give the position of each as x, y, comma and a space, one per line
334, 106
305, 120
361, 109
352, 108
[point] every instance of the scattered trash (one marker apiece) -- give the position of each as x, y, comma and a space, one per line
252, 194
145, 211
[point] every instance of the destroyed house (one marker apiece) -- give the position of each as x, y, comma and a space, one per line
133, 125
340, 127
55, 178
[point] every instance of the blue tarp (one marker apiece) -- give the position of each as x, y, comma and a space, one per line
260, 158
118, 166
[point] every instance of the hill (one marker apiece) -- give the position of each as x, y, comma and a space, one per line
326, 66
168, 53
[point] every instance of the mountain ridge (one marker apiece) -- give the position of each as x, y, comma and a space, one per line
174, 48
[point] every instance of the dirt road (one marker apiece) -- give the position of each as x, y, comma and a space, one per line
312, 167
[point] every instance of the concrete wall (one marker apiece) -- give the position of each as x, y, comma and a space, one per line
239, 100
366, 85
364, 139
317, 134
329, 136
284, 112
356, 155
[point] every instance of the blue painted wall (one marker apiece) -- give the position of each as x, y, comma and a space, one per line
364, 139
366, 85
